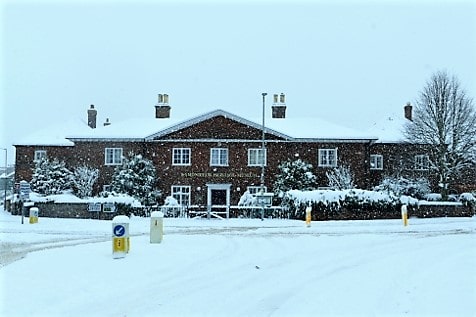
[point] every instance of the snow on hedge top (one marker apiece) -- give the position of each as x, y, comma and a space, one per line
72, 199
336, 196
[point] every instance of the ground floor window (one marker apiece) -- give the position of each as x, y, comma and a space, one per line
255, 189
327, 158
422, 162
181, 194
113, 156
376, 162
39, 155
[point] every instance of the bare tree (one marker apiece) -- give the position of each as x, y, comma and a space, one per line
444, 118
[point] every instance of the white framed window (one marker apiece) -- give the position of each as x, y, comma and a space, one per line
113, 156
181, 156
218, 157
376, 162
39, 155
181, 194
422, 162
107, 188
327, 158
253, 190
256, 157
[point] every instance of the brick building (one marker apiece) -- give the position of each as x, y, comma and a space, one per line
214, 157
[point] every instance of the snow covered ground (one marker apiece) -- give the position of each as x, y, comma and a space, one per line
239, 267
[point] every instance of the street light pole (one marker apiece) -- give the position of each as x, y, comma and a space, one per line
263, 151
5, 180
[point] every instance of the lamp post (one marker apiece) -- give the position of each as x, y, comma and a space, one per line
5, 180
263, 151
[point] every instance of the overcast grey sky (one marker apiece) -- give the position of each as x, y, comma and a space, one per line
349, 62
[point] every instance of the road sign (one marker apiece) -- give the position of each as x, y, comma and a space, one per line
25, 190
119, 230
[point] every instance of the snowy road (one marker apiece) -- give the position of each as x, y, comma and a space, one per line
243, 268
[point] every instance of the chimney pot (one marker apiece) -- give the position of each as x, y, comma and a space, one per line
162, 108
107, 122
408, 111
279, 107
92, 114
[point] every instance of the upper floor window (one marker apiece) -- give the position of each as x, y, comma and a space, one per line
376, 162
256, 157
327, 158
422, 162
113, 156
39, 155
181, 194
181, 156
218, 157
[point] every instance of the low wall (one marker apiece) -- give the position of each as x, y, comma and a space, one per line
65, 210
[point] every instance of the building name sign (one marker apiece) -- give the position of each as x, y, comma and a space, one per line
220, 174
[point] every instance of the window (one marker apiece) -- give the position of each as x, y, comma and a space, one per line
218, 157
376, 162
113, 156
181, 156
256, 157
255, 189
181, 194
39, 155
107, 188
422, 162
327, 158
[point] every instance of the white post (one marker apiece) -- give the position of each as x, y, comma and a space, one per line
156, 227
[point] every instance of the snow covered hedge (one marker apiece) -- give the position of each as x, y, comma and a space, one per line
335, 204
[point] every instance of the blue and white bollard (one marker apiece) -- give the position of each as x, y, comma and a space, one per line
120, 237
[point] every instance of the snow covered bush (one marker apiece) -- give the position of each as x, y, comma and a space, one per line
50, 177
328, 204
294, 175
171, 202
84, 178
468, 199
137, 178
247, 199
399, 186
340, 178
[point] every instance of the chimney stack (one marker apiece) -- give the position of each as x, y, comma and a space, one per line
279, 106
92, 114
408, 111
162, 108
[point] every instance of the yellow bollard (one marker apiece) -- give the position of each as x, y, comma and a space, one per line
405, 215
308, 216
33, 215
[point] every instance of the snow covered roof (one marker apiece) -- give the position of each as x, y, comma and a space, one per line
389, 129
55, 134
148, 128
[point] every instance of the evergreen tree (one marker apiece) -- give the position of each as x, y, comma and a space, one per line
84, 178
50, 177
294, 175
137, 178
